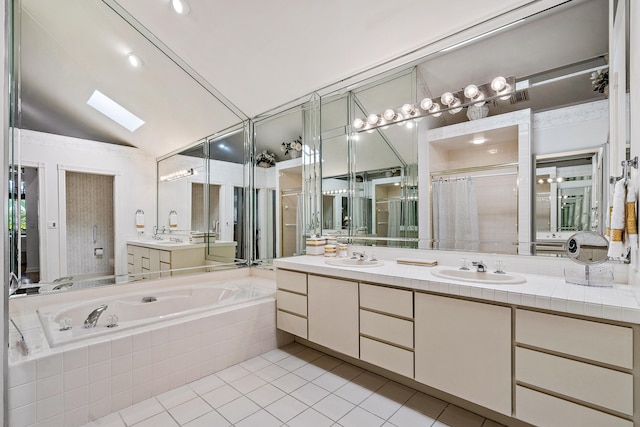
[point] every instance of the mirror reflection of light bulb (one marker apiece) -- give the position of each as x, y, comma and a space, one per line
435, 110
471, 91
373, 119
447, 98
358, 123
389, 114
559, 179
408, 109
499, 84
549, 180
455, 103
426, 104
180, 7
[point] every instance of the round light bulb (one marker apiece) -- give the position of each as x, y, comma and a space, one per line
471, 91
389, 114
447, 98
358, 123
426, 104
373, 119
541, 181
559, 179
435, 108
499, 84
408, 109
549, 180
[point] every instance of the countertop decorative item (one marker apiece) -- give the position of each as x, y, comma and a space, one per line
292, 148
265, 159
600, 81
475, 112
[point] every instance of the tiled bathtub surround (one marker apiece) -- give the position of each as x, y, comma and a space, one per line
74, 384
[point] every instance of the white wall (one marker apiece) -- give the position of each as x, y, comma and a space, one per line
135, 188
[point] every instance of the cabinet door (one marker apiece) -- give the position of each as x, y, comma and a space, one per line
333, 314
464, 348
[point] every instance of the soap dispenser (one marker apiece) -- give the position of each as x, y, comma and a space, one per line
173, 220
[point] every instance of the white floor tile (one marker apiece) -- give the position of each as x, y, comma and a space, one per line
370, 380
221, 396
112, 420
266, 395
347, 371
327, 362
255, 364
286, 408
310, 394
190, 410
354, 393
271, 372
334, 407
260, 419
291, 363
310, 418
141, 411
358, 417
161, 420
387, 400
330, 381
206, 384
420, 409
176, 396
210, 419
232, 373
289, 382
276, 355
238, 409
310, 371
454, 416
489, 423
248, 383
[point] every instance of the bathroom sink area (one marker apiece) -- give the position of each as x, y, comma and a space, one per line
479, 277
350, 262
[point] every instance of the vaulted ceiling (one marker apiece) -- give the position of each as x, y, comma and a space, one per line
251, 56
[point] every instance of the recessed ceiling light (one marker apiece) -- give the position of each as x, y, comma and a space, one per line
114, 111
478, 141
180, 6
134, 60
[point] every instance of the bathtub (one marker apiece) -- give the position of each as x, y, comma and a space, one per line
141, 308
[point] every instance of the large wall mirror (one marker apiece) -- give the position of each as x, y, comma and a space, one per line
87, 185
463, 177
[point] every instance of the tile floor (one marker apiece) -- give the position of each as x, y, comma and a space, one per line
293, 386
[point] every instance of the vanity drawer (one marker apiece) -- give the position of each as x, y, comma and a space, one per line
294, 303
582, 338
387, 356
165, 256
589, 383
291, 323
387, 328
291, 281
398, 302
130, 259
146, 264
543, 410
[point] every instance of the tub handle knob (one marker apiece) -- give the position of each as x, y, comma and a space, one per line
112, 321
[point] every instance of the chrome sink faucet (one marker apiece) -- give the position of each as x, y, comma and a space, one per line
92, 318
481, 267
358, 255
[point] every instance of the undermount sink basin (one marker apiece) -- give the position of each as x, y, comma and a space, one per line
478, 277
349, 262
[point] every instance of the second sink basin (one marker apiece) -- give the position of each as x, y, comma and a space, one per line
349, 262
478, 277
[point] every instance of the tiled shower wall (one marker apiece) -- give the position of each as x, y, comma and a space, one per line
89, 204
86, 382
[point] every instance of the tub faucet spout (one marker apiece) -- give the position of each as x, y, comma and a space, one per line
92, 318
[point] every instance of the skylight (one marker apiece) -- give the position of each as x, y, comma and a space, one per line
115, 111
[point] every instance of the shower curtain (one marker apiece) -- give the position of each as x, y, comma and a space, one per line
455, 215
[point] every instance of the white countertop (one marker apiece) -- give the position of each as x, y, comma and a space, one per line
545, 292
165, 245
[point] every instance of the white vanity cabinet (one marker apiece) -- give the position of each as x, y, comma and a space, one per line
333, 314
572, 371
291, 302
153, 262
464, 348
386, 328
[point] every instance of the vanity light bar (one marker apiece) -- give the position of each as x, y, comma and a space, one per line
453, 102
178, 175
